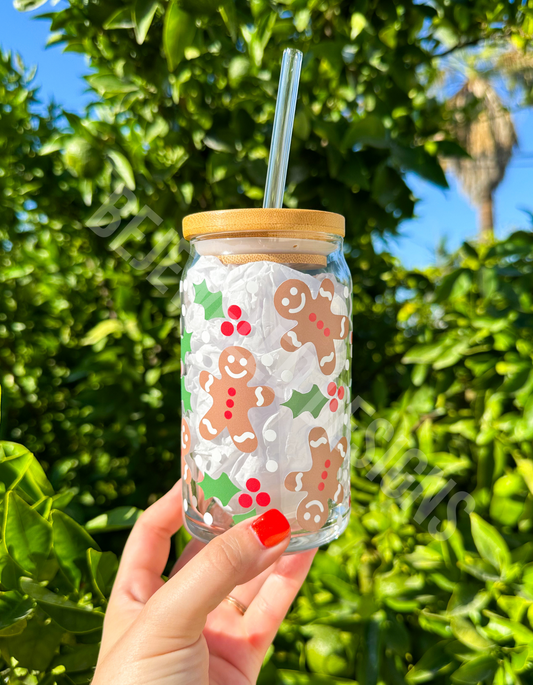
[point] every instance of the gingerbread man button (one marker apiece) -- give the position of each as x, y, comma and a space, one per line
321, 482
316, 323
233, 398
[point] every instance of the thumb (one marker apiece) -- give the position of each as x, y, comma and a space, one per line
178, 611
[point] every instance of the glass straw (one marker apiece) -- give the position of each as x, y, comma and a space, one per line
280, 146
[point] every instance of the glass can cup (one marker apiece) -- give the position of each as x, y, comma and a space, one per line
266, 324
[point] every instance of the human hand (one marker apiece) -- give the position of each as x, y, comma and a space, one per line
182, 631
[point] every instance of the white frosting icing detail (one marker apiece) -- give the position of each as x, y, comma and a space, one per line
208, 425
242, 438
300, 306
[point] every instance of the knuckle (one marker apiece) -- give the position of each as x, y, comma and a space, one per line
227, 557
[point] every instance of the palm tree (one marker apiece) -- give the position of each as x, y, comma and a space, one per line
484, 127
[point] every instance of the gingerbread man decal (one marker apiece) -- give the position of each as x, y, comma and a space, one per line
321, 482
185, 449
316, 323
233, 398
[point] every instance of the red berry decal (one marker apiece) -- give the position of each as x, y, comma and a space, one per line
262, 499
227, 328
332, 391
234, 312
245, 501
253, 484
243, 327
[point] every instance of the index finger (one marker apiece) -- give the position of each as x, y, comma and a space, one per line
148, 547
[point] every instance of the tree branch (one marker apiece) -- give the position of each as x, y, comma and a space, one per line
459, 46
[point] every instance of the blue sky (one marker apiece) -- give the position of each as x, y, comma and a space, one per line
441, 215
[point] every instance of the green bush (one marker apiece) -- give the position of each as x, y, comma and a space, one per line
55, 580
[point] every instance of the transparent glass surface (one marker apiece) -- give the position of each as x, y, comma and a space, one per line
266, 374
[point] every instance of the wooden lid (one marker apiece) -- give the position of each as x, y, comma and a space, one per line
307, 221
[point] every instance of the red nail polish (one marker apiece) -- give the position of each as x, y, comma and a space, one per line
271, 528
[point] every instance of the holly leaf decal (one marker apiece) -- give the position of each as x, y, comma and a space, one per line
222, 488
185, 396
312, 401
185, 343
211, 302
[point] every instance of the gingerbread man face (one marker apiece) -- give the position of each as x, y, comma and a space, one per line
237, 363
233, 398
321, 482
316, 323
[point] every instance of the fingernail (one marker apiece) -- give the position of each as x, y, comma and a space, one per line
271, 528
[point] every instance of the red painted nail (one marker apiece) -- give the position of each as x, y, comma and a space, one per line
271, 528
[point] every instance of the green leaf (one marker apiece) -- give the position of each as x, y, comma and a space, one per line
388, 35
14, 609
109, 85
70, 543
239, 67
28, 5
35, 647
10, 572
435, 661
490, 544
521, 634
43, 507
80, 658
27, 535
121, 19
228, 13
312, 401
211, 302
178, 33
103, 568
102, 330
120, 518
143, 15
123, 168
357, 24
465, 631
20, 469
467, 598
424, 354
480, 669
369, 130
419, 161
70, 616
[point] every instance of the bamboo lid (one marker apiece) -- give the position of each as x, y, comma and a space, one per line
308, 221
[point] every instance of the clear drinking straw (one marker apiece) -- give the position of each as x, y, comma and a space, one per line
280, 146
